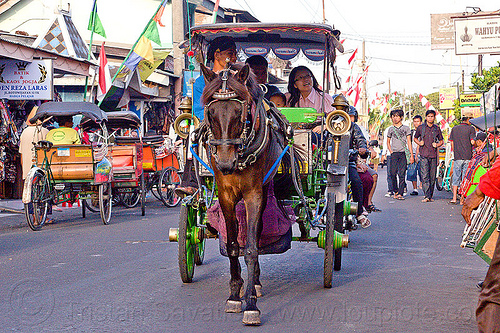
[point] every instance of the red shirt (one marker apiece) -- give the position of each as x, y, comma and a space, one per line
489, 183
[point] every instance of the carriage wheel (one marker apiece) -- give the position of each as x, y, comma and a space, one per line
329, 251
36, 211
130, 199
339, 227
440, 176
92, 204
169, 180
187, 247
199, 254
143, 194
105, 202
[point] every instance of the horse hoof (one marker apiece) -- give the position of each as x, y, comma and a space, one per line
258, 290
251, 318
233, 306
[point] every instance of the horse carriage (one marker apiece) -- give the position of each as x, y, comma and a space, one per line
256, 173
69, 172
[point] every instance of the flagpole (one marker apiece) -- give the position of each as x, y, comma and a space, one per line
130, 52
94, 10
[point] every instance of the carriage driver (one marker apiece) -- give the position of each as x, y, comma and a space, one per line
65, 134
222, 50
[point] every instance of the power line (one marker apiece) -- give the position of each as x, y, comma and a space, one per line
381, 41
419, 63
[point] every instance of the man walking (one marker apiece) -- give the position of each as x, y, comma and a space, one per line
429, 137
462, 141
398, 143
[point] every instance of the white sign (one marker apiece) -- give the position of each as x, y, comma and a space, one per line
480, 35
21, 80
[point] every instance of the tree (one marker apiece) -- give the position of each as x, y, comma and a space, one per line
485, 82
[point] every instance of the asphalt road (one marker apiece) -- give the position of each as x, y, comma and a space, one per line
406, 273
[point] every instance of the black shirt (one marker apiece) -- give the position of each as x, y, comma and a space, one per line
461, 135
429, 135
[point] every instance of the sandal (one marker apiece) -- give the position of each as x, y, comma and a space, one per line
453, 202
427, 200
364, 221
399, 197
372, 208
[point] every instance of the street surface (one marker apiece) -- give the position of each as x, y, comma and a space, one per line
406, 273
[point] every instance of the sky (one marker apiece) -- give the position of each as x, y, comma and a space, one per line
397, 38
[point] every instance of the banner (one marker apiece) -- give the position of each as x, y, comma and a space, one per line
443, 31
447, 97
479, 35
21, 80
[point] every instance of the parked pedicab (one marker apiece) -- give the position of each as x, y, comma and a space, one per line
67, 173
246, 141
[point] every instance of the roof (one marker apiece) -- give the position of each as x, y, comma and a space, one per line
55, 109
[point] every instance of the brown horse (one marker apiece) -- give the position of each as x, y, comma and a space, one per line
245, 140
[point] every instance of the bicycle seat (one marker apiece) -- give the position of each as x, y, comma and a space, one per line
44, 144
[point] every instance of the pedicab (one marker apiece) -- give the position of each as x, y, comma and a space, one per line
69, 172
237, 151
125, 154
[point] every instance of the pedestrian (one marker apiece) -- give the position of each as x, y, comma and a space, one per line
399, 144
414, 169
462, 141
29, 136
386, 155
488, 308
429, 138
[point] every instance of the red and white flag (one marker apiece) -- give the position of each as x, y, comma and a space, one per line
104, 75
352, 56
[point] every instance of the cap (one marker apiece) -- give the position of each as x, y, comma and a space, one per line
219, 44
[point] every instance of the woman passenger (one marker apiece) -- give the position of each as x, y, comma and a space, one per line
304, 91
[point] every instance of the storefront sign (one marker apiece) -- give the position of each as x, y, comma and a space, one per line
21, 80
470, 100
447, 97
442, 31
479, 35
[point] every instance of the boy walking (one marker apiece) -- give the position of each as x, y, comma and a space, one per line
399, 143
429, 137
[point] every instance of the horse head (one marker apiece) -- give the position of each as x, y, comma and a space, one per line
227, 100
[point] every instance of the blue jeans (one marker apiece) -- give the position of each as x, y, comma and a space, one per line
428, 169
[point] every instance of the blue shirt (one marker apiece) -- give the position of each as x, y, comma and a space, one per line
198, 107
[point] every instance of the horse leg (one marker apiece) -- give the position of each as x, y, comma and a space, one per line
233, 304
254, 205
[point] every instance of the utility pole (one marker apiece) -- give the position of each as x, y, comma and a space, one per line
179, 10
364, 97
480, 65
324, 17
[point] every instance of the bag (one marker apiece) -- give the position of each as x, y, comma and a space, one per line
407, 151
411, 173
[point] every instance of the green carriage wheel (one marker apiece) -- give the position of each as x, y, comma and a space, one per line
187, 248
199, 254
36, 211
105, 202
330, 232
339, 227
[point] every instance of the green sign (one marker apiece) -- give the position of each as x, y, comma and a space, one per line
470, 100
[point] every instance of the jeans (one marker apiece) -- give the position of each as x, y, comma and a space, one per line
428, 168
459, 170
398, 170
390, 187
356, 186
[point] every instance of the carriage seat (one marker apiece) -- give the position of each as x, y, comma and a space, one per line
123, 158
126, 139
69, 162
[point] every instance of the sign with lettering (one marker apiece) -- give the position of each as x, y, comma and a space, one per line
442, 31
447, 97
21, 80
470, 100
478, 35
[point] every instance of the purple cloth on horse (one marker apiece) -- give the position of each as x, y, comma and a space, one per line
275, 223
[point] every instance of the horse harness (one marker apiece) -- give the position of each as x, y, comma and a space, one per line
256, 132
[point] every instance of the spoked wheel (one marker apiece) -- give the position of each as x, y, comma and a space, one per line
169, 180
105, 202
199, 254
143, 194
187, 246
92, 204
329, 251
36, 211
130, 199
339, 227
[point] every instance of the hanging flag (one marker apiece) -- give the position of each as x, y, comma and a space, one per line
95, 24
216, 8
146, 67
159, 14
104, 75
352, 56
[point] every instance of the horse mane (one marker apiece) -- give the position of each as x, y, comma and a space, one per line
250, 91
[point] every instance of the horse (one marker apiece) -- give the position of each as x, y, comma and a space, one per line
244, 140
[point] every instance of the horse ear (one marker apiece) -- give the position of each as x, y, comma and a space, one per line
243, 74
208, 74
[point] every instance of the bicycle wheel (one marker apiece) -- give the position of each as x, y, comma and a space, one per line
130, 199
105, 202
92, 204
187, 248
167, 183
36, 211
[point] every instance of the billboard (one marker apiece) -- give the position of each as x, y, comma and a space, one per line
22, 80
477, 35
447, 97
471, 103
442, 31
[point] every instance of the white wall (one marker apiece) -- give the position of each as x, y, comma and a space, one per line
123, 20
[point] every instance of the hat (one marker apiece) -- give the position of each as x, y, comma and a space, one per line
340, 100
220, 44
481, 136
467, 114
